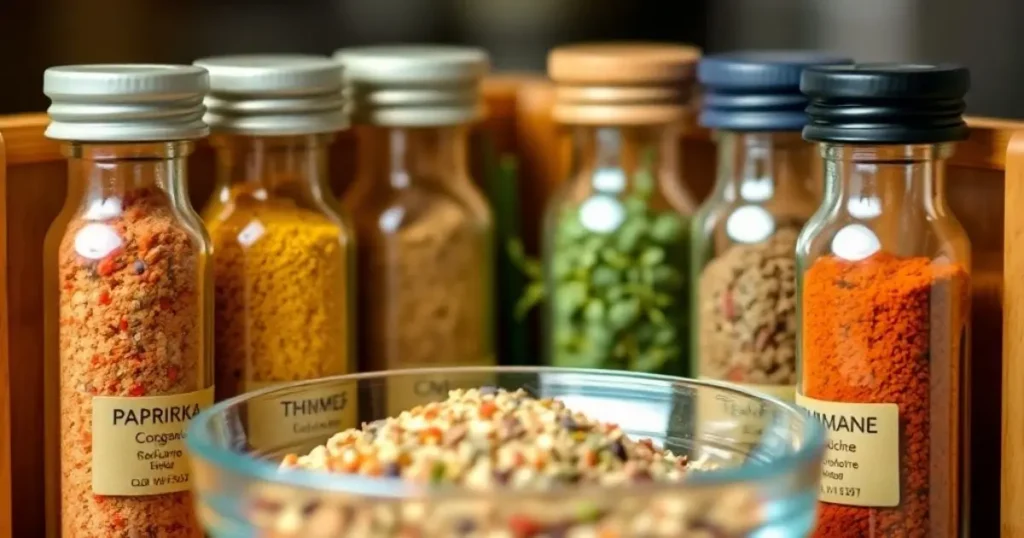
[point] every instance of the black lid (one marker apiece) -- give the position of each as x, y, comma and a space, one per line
757, 90
886, 103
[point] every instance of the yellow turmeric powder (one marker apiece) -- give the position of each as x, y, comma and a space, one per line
281, 293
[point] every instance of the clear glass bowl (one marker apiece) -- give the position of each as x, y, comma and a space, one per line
766, 454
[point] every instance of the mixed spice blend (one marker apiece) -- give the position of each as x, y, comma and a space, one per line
130, 327
491, 439
747, 307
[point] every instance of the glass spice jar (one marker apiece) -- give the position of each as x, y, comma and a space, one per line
283, 250
884, 284
127, 264
743, 319
424, 230
616, 233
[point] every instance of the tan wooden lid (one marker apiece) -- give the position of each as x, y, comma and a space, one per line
622, 83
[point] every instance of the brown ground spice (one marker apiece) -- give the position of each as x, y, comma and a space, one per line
424, 292
747, 301
130, 325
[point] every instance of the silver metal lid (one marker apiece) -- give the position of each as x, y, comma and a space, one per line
414, 86
280, 94
125, 103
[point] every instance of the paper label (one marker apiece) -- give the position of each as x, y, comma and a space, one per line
139, 443
407, 391
315, 413
862, 452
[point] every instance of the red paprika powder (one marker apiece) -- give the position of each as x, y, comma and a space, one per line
890, 330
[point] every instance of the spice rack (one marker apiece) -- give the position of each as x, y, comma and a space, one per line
1012, 521
33, 185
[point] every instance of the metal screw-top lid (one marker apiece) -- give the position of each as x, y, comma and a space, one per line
757, 90
886, 103
287, 94
414, 85
622, 83
125, 103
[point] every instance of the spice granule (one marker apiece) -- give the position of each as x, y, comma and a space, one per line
130, 326
281, 295
889, 330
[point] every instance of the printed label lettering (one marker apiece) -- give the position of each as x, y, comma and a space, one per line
861, 464
735, 416
312, 414
407, 391
139, 443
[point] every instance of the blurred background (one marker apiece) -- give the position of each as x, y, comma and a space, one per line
982, 34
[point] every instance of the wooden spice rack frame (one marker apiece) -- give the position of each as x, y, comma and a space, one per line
33, 185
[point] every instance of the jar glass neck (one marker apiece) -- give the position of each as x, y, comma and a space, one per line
888, 196
112, 170
865, 180
609, 156
263, 165
400, 157
757, 166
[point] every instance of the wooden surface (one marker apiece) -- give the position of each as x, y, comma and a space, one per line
1013, 345
520, 123
5, 378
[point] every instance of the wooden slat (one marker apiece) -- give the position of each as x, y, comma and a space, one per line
25, 141
5, 380
1012, 521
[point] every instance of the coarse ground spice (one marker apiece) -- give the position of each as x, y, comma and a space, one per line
490, 437
281, 294
130, 326
424, 289
487, 439
747, 312
890, 330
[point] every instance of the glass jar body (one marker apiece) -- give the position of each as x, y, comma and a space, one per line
425, 241
743, 267
884, 316
129, 321
616, 250
283, 264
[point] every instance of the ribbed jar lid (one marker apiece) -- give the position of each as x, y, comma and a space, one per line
886, 103
125, 102
414, 85
622, 83
757, 90
279, 94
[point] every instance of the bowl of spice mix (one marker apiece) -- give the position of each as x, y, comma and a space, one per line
508, 452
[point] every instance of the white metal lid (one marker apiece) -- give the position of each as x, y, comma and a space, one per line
125, 103
414, 85
279, 94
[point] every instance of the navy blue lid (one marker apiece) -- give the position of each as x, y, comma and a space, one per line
757, 90
886, 103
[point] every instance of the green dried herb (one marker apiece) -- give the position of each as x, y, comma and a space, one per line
618, 297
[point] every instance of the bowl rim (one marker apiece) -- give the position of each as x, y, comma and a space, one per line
200, 444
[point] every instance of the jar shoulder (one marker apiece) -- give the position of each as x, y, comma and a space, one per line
98, 227
383, 210
941, 239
